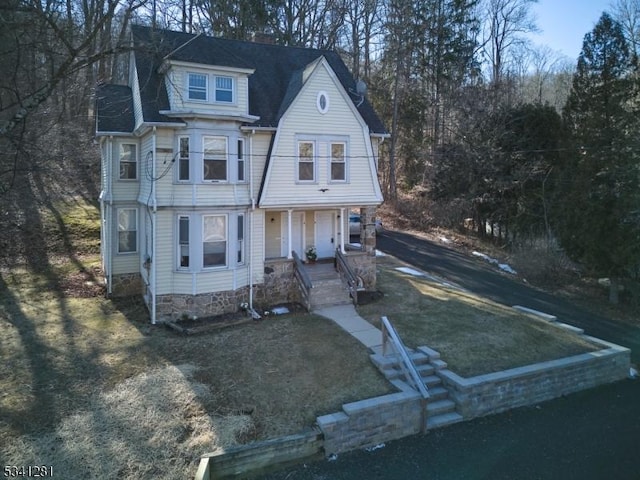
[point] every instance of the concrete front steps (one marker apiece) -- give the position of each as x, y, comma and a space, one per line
441, 410
328, 288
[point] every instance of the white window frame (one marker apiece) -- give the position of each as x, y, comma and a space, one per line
313, 161
223, 89
344, 161
122, 163
241, 171
321, 98
184, 159
241, 234
119, 230
198, 89
182, 242
215, 158
225, 241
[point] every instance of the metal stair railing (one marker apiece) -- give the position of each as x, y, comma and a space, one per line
390, 338
304, 281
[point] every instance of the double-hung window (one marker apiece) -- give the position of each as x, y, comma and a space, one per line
224, 89
215, 159
128, 161
240, 239
338, 162
183, 242
127, 230
183, 159
214, 241
241, 162
197, 86
306, 161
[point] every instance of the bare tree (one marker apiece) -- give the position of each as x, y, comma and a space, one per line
627, 13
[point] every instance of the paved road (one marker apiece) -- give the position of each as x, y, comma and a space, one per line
592, 435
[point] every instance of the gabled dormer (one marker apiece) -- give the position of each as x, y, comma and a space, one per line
206, 91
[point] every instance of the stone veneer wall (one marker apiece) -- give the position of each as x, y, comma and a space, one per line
517, 387
363, 265
279, 287
126, 284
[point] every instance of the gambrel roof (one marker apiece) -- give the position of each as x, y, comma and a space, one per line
275, 82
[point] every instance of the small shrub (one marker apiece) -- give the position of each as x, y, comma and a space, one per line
542, 261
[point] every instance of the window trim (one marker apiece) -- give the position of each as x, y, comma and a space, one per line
216, 89
345, 161
136, 230
206, 87
313, 161
134, 161
226, 159
189, 243
226, 241
322, 94
181, 159
241, 160
240, 243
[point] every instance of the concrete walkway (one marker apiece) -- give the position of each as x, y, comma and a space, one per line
347, 318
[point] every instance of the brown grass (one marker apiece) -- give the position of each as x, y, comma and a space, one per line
90, 387
474, 335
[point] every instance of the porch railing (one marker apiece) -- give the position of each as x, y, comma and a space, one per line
304, 282
391, 339
348, 274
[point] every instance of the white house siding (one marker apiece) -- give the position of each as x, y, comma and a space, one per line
177, 91
304, 121
260, 147
171, 281
257, 242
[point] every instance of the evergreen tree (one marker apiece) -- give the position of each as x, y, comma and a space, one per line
599, 222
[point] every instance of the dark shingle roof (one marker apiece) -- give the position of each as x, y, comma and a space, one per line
114, 109
276, 81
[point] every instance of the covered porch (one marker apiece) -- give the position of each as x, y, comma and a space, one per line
327, 230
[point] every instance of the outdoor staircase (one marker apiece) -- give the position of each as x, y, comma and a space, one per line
328, 288
441, 410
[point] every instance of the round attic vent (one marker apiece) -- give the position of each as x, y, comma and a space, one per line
322, 102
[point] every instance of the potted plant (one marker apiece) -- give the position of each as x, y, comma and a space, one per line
311, 254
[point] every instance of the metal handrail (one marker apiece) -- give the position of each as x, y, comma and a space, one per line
352, 280
304, 281
407, 365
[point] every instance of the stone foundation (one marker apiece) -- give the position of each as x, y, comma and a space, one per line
363, 265
280, 286
126, 284
203, 305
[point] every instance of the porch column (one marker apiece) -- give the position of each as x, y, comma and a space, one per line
342, 219
289, 256
368, 229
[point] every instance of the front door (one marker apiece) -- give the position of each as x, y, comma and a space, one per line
324, 235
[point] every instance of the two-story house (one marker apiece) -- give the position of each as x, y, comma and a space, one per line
222, 162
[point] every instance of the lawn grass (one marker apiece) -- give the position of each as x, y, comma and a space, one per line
89, 386
473, 335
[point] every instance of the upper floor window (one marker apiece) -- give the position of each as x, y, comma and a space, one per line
215, 158
338, 162
306, 161
224, 89
183, 159
197, 86
128, 161
127, 230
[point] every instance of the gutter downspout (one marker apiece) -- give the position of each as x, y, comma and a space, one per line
109, 236
153, 229
253, 207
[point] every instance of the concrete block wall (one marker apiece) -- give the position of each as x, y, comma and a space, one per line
370, 422
517, 387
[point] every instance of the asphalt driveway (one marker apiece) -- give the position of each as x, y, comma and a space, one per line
590, 435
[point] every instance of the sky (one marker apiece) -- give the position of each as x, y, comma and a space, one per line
564, 23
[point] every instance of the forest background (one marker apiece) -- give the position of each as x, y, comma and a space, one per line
489, 134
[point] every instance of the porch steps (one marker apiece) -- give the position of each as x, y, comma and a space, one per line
441, 410
328, 288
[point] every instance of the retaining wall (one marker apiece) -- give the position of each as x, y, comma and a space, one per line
370, 422
518, 387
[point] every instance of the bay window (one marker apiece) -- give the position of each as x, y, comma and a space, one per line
214, 241
127, 230
214, 159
